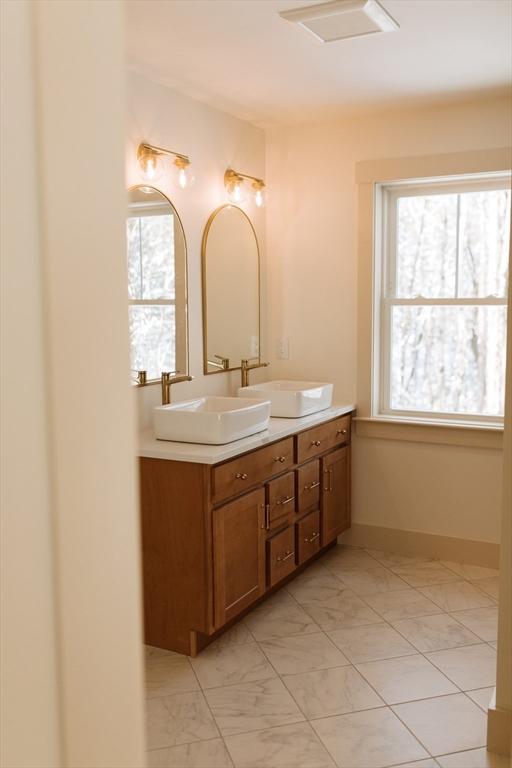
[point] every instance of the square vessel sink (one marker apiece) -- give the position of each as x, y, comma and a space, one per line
211, 420
292, 399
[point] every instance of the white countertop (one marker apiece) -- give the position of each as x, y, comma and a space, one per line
151, 448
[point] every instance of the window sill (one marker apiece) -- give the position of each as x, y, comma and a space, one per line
423, 431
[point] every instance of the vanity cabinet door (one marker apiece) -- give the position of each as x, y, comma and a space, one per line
238, 555
335, 494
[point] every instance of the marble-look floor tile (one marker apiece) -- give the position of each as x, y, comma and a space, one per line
473, 666
456, 596
352, 560
252, 706
445, 724
475, 758
482, 621
491, 587
470, 572
435, 633
369, 643
346, 610
393, 560
238, 634
199, 754
332, 692
368, 581
315, 589
287, 746
302, 653
402, 604
226, 664
279, 620
482, 697
423, 574
178, 719
371, 739
430, 763
150, 652
169, 674
406, 679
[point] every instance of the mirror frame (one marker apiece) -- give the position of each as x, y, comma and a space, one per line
186, 372
204, 243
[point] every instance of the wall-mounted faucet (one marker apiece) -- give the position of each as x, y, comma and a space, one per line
167, 380
223, 365
246, 367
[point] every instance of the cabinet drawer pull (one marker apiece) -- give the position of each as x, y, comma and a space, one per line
315, 443
241, 476
286, 556
314, 536
286, 500
280, 458
310, 486
342, 432
329, 473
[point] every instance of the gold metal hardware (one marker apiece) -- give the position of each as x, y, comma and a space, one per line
282, 459
167, 380
329, 473
341, 432
141, 378
267, 517
241, 476
310, 486
286, 500
287, 555
245, 367
315, 443
223, 365
314, 536
147, 149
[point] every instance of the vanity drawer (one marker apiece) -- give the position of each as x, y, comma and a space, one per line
308, 486
281, 497
281, 555
320, 439
308, 536
252, 469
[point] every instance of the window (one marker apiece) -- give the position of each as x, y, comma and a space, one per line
441, 268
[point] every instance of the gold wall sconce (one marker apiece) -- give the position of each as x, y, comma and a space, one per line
152, 168
235, 183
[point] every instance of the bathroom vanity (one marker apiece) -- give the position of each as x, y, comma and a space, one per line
223, 526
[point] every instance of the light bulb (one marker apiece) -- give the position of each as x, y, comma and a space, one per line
150, 166
182, 178
235, 187
259, 194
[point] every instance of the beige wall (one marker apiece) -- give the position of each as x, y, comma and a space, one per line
214, 141
312, 257
71, 642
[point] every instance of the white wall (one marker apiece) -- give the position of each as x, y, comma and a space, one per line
214, 141
312, 258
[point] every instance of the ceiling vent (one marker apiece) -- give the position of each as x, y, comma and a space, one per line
341, 19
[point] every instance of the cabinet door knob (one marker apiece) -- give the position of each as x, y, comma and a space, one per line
241, 475
315, 443
280, 458
341, 432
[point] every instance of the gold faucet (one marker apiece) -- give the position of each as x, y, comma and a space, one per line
223, 365
245, 368
168, 378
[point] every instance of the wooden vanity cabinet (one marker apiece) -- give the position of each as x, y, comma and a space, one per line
217, 538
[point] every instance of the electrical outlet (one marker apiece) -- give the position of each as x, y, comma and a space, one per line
283, 348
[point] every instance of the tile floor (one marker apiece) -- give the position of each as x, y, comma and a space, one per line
366, 660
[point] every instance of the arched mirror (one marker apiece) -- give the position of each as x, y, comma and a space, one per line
231, 290
157, 284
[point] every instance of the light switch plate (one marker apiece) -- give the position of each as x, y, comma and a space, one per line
283, 348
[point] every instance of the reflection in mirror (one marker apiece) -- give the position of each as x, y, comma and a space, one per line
157, 284
231, 291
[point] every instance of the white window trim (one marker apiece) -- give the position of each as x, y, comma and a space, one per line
385, 194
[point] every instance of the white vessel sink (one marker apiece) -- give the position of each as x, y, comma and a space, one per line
211, 420
292, 399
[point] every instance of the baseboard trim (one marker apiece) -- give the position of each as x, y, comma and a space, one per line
482, 553
499, 729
